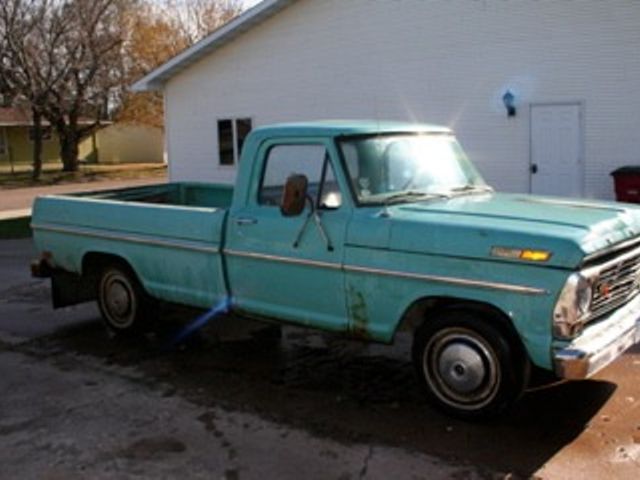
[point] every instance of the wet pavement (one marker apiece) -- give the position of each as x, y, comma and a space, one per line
345, 409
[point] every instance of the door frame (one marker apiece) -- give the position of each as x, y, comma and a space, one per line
581, 138
239, 255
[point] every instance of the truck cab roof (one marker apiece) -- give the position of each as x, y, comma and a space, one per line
335, 128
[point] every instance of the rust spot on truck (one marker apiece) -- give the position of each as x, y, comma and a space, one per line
359, 317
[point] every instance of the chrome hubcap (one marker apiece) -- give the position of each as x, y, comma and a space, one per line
461, 368
118, 300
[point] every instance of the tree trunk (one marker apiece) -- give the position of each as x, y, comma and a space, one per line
37, 143
68, 137
69, 153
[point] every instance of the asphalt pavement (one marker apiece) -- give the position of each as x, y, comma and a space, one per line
241, 401
66, 414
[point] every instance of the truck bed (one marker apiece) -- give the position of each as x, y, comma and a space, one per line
172, 233
179, 194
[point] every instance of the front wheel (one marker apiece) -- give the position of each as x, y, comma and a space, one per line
123, 304
468, 367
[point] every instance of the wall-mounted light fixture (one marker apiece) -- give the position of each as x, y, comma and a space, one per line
509, 103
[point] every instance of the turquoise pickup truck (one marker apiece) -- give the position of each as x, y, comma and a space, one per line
366, 229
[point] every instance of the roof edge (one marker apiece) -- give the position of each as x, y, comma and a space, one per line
156, 79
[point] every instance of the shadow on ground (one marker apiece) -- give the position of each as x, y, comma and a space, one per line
346, 390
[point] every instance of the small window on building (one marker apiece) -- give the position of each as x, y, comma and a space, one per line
225, 142
46, 133
231, 136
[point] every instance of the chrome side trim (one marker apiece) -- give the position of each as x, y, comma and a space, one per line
84, 232
463, 282
391, 273
289, 260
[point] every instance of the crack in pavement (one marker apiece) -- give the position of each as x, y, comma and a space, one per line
365, 463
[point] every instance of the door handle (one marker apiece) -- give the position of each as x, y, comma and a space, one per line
534, 168
246, 221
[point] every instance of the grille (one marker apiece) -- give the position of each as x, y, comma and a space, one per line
615, 285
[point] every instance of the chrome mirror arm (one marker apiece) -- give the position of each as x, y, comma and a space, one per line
315, 216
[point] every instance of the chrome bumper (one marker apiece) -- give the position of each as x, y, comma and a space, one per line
600, 344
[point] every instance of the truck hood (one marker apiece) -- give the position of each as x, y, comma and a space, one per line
471, 225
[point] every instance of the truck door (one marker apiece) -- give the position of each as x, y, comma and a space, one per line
269, 272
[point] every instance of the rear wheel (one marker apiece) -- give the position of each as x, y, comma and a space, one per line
123, 304
467, 365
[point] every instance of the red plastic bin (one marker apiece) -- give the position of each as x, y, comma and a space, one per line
627, 184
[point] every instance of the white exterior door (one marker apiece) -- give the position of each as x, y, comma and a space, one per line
556, 150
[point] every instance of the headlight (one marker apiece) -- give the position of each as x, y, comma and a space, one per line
572, 308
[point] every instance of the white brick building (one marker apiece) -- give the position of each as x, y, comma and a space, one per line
573, 67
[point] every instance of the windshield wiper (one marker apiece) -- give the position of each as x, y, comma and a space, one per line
472, 189
413, 195
409, 195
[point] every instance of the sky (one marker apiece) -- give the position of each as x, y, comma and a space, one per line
249, 3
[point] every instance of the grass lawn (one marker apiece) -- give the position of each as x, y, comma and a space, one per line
52, 174
15, 228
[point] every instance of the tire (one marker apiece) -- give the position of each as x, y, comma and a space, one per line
468, 367
124, 306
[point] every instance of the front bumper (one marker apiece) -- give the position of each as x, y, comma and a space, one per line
600, 344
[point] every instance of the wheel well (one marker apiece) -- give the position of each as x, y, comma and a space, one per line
94, 262
420, 311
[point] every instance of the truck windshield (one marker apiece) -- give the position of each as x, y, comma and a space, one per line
408, 167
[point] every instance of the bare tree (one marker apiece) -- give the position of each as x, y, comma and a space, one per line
151, 38
63, 58
86, 59
22, 47
71, 60
195, 19
157, 30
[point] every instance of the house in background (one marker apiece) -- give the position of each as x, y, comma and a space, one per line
16, 139
544, 96
110, 143
124, 143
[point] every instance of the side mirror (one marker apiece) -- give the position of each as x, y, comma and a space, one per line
294, 195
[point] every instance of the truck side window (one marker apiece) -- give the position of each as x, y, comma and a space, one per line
309, 160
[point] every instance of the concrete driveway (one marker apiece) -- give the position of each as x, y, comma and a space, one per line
237, 401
